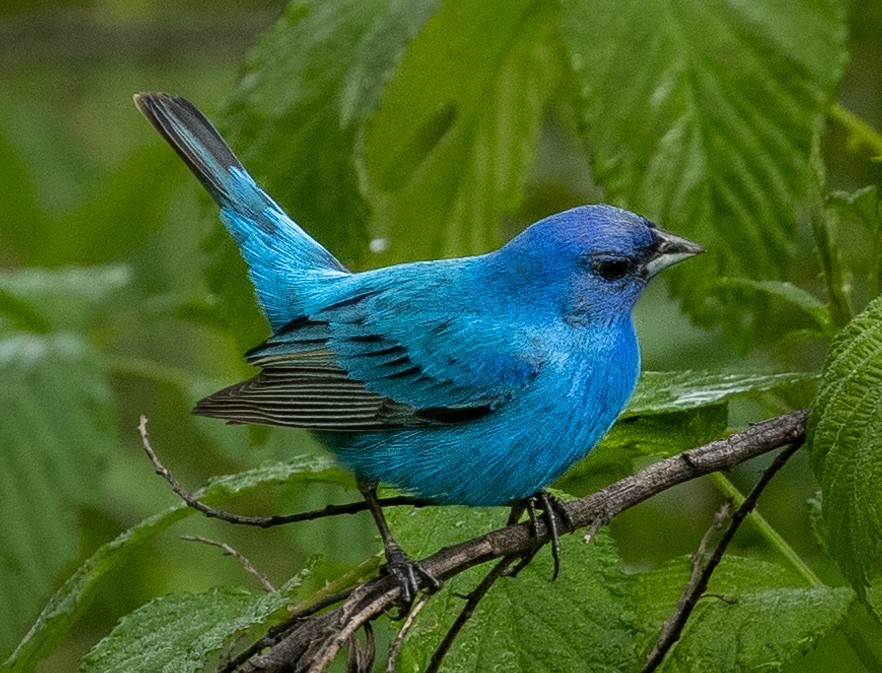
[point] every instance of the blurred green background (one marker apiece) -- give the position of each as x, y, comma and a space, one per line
105, 229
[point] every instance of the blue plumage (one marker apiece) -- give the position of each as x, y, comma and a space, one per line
476, 380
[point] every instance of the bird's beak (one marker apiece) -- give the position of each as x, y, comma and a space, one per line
670, 250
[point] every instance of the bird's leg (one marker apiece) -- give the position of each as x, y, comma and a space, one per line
406, 572
548, 511
552, 508
517, 508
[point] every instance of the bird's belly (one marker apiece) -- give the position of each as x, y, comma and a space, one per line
510, 454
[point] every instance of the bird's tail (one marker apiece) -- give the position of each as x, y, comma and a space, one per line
277, 250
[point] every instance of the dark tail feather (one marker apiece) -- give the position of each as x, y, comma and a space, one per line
194, 138
277, 250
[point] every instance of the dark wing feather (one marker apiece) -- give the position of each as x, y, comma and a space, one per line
319, 398
302, 385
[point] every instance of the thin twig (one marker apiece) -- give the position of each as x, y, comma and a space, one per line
395, 647
673, 627
475, 597
258, 521
229, 551
719, 597
697, 560
361, 659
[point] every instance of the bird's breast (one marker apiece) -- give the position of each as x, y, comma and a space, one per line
579, 395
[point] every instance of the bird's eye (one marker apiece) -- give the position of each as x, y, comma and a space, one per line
612, 268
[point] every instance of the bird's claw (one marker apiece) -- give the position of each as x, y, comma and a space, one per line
550, 502
410, 576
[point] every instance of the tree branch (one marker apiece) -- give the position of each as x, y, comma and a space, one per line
258, 521
312, 643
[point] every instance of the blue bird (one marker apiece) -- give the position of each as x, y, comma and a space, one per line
474, 381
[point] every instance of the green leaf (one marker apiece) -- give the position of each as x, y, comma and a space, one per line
667, 392
294, 120
874, 598
670, 412
667, 434
178, 633
607, 463
396, 24
816, 519
19, 315
102, 230
863, 207
581, 622
58, 425
68, 298
106, 228
700, 116
447, 152
792, 294
846, 447
23, 219
77, 593
653, 435
763, 620
288, 101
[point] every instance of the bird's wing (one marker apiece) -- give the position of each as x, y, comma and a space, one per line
372, 362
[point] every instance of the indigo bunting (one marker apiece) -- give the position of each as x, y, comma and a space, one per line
473, 381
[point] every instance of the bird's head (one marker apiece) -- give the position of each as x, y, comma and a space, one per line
595, 259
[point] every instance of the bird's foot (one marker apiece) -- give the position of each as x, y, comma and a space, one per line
553, 513
410, 576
